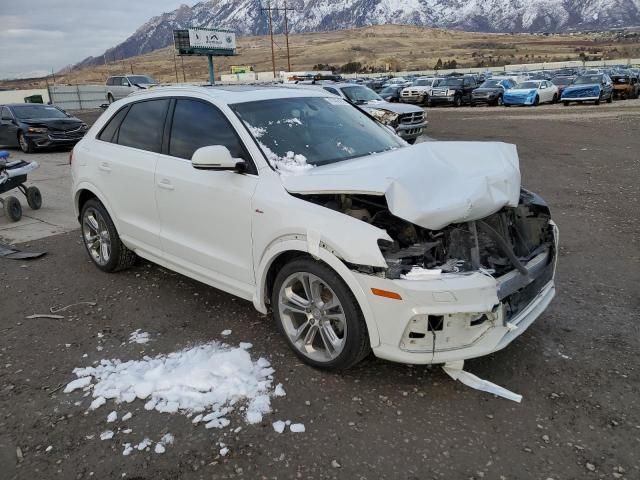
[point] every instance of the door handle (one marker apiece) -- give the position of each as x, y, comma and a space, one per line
104, 166
166, 184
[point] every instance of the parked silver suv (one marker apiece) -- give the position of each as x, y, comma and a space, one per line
120, 86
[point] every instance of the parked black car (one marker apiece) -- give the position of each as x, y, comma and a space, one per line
454, 91
391, 93
562, 82
31, 126
492, 91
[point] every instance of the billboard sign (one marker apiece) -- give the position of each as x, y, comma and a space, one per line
213, 39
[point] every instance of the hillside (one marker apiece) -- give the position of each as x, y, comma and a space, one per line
247, 17
402, 47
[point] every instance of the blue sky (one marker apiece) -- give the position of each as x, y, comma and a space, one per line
38, 35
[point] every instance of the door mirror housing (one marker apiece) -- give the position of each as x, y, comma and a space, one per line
216, 157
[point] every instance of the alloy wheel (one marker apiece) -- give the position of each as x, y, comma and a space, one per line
96, 236
312, 316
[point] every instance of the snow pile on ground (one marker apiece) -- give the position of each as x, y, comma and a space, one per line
209, 380
139, 337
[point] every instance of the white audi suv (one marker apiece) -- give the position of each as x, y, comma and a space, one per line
305, 205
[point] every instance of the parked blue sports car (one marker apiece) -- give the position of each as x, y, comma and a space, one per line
589, 88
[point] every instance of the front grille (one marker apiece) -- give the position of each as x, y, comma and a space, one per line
73, 134
439, 93
517, 97
412, 118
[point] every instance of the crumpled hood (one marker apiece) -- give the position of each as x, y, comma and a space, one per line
392, 107
431, 184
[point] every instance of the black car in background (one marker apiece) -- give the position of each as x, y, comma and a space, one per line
492, 90
562, 82
454, 91
31, 126
391, 93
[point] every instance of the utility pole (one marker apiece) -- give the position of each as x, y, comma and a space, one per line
175, 64
273, 53
270, 11
286, 33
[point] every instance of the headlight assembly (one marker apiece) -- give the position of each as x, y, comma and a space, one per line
37, 130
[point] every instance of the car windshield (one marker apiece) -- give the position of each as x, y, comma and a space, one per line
562, 80
389, 91
587, 80
423, 82
313, 130
140, 79
491, 84
31, 112
525, 85
450, 82
360, 94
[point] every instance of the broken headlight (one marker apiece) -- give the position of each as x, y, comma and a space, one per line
385, 116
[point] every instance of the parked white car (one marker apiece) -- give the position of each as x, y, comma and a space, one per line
531, 92
120, 86
299, 202
420, 90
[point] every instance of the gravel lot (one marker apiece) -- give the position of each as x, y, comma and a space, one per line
577, 366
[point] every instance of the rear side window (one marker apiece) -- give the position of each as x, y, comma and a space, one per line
110, 81
199, 124
112, 125
143, 126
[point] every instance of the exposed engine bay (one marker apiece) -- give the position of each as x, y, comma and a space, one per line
497, 244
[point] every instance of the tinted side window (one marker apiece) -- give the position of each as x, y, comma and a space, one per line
143, 126
4, 114
112, 126
110, 81
198, 124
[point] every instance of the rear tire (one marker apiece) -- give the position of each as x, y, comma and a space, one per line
555, 98
566, 104
411, 141
12, 208
536, 101
610, 99
101, 239
457, 101
34, 198
302, 317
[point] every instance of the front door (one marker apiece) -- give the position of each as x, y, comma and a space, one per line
205, 215
8, 128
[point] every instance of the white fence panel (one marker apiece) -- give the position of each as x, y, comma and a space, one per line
78, 97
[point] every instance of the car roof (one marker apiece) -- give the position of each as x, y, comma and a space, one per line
231, 94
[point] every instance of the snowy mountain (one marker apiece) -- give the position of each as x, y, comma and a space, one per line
247, 18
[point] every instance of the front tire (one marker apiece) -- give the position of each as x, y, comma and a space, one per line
318, 315
110, 98
12, 209
25, 144
457, 101
536, 101
101, 239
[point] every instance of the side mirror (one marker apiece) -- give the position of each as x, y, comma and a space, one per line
216, 157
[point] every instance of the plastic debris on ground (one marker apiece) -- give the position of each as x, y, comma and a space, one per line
455, 371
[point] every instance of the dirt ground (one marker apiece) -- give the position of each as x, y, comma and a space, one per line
577, 366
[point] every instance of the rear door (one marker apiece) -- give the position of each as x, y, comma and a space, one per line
205, 214
125, 162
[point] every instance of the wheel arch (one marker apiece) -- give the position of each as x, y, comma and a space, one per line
86, 191
283, 252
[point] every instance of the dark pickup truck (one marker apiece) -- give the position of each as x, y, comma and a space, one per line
454, 91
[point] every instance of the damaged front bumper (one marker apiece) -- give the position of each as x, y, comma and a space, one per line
457, 316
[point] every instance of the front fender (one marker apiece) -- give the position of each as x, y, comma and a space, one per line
300, 243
